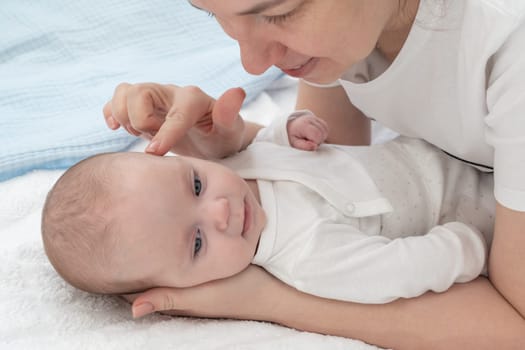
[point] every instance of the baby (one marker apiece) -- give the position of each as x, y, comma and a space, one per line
364, 224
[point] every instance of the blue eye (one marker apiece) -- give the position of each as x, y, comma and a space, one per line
197, 185
198, 243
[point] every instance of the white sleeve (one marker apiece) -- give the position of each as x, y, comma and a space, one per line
505, 123
357, 267
277, 131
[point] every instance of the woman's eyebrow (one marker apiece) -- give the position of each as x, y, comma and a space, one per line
263, 6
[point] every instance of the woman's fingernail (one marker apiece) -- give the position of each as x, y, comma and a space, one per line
142, 309
153, 146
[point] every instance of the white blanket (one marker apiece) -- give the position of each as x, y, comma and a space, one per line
60, 61
38, 310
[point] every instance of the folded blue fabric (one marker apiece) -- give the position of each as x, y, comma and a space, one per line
61, 60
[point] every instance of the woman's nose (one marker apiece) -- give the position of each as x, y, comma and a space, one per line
258, 47
219, 214
259, 55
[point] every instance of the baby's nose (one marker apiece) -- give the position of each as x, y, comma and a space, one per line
220, 214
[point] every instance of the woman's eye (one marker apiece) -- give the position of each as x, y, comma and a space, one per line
197, 185
198, 243
276, 19
280, 19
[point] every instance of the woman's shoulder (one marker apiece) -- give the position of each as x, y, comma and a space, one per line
512, 9
493, 20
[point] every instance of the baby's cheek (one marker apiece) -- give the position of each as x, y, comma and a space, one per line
231, 262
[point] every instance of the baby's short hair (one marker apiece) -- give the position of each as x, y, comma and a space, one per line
80, 231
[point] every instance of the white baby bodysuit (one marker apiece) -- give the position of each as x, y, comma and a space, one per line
365, 224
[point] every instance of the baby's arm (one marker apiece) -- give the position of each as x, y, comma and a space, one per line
354, 266
301, 129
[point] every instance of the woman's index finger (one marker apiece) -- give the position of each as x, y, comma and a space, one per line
190, 105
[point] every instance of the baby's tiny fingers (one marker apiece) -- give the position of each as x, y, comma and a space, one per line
304, 144
314, 133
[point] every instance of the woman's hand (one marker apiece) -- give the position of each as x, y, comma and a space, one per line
184, 120
456, 319
252, 294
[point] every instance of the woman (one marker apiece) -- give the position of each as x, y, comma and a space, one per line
448, 71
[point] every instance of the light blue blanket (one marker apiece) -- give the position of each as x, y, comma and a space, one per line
60, 61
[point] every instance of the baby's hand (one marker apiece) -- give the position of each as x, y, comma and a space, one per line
306, 132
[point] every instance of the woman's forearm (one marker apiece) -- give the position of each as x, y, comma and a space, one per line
468, 316
507, 257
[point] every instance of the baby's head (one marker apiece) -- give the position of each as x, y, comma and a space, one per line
125, 222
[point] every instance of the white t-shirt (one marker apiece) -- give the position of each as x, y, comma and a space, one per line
459, 83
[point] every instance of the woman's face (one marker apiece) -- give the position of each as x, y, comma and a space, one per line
317, 40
